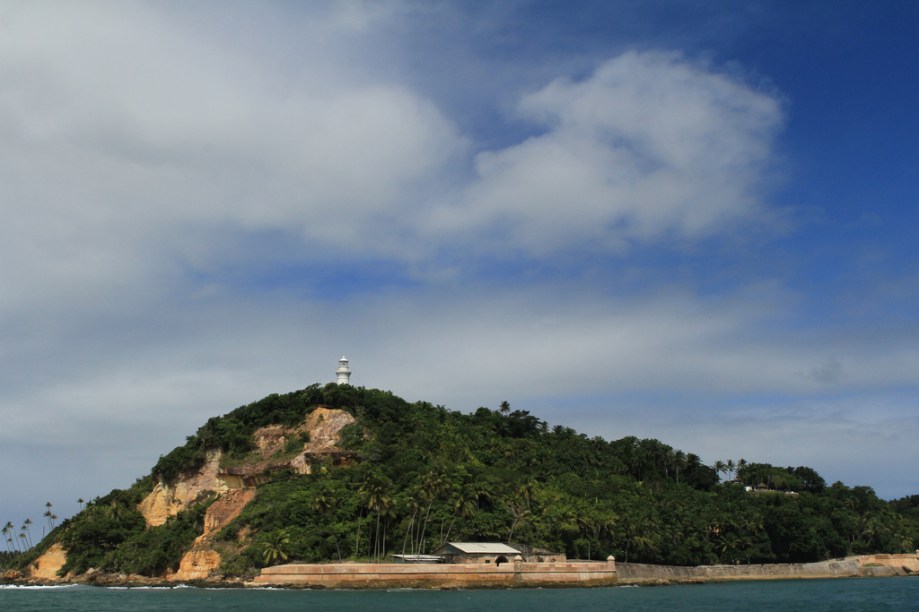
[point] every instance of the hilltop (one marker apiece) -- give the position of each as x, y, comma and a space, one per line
336, 473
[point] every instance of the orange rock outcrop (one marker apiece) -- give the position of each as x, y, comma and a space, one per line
167, 500
47, 566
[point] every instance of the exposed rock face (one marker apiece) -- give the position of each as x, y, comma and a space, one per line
224, 510
201, 561
166, 500
324, 426
49, 564
235, 485
197, 565
270, 439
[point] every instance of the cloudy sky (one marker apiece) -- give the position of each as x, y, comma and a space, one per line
685, 220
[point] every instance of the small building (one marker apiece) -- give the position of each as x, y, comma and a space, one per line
477, 552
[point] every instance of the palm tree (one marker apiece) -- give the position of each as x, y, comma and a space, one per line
322, 503
504, 407
6, 532
27, 527
679, 464
433, 486
49, 515
464, 504
275, 547
376, 500
81, 501
739, 467
520, 511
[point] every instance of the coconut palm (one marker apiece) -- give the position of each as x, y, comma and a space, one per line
49, 515
275, 547
376, 500
7, 529
27, 527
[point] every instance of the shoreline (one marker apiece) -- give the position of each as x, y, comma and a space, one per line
376, 576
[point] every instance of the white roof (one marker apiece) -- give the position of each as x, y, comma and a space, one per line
485, 548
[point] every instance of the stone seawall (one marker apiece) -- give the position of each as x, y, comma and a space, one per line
867, 565
433, 575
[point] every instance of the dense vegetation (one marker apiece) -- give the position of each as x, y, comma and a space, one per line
423, 475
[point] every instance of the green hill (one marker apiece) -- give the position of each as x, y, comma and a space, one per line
406, 477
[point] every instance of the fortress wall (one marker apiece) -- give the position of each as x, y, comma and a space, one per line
433, 575
638, 573
867, 565
908, 563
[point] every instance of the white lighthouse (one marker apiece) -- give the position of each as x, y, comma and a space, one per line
343, 372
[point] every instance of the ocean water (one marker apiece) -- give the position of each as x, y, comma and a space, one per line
785, 595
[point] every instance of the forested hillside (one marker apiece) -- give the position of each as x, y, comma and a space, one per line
416, 475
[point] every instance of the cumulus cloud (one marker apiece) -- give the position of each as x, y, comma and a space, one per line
154, 164
651, 146
131, 144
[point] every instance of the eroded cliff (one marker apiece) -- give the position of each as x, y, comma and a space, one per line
320, 432
233, 484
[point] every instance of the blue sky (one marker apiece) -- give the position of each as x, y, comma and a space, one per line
691, 221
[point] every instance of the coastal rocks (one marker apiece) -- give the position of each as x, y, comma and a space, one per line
47, 566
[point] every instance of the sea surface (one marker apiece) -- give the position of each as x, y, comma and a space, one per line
785, 595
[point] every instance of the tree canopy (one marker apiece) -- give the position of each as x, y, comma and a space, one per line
424, 475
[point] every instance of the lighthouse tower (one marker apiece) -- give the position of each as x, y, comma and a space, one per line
343, 372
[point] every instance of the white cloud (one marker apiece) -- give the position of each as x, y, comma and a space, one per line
131, 144
146, 154
651, 146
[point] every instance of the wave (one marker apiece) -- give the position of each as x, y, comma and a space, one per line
38, 587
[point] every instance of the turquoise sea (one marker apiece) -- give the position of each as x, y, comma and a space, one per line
785, 595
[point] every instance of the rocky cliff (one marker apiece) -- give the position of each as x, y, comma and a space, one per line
276, 448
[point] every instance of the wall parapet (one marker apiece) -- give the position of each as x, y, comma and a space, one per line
431, 575
848, 567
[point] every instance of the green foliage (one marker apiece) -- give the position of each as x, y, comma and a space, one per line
275, 547
8, 560
154, 550
232, 433
424, 475
97, 532
430, 475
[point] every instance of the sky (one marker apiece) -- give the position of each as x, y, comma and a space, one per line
685, 220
